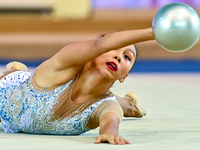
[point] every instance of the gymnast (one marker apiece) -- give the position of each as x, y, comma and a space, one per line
69, 94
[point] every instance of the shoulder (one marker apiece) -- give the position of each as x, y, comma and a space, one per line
111, 105
48, 74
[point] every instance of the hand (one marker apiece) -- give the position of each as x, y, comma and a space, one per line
111, 138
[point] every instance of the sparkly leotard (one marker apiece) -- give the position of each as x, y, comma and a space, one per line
23, 109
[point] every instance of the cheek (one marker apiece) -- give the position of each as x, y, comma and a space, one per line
101, 60
127, 66
103, 56
124, 70
130, 67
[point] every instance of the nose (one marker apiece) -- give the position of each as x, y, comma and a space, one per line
117, 58
118, 55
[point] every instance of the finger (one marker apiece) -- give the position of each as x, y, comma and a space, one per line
98, 139
122, 141
111, 140
118, 140
126, 142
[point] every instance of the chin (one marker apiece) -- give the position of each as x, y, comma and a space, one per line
107, 75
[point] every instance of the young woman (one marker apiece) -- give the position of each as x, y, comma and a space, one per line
68, 94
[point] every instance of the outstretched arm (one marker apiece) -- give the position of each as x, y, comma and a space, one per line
80, 53
109, 127
65, 64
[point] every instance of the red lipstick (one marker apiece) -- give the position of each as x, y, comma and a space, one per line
112, 66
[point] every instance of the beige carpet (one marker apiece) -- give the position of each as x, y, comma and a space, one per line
172, 123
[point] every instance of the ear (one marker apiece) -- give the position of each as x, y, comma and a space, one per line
123, 78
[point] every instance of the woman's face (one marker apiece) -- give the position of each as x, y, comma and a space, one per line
116, 64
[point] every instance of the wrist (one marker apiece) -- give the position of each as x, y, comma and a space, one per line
110, 132
150, 33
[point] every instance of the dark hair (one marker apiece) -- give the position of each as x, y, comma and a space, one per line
135, 57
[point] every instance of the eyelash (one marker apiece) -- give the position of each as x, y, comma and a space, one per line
127, 57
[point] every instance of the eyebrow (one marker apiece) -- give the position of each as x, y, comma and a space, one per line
132, 52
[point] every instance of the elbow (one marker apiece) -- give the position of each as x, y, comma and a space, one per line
97, 43
100, 43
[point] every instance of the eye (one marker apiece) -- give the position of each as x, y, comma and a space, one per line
127, 57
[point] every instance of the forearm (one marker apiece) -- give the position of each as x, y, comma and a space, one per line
110, 127
80, 53
124, 38
109, 123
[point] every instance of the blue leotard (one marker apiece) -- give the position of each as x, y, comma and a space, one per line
23, 109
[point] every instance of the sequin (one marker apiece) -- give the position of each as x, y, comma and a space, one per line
23, 109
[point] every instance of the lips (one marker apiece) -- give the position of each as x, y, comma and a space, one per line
112, 66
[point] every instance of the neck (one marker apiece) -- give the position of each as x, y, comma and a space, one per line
89, 85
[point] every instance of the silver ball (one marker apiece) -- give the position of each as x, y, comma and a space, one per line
176, 27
